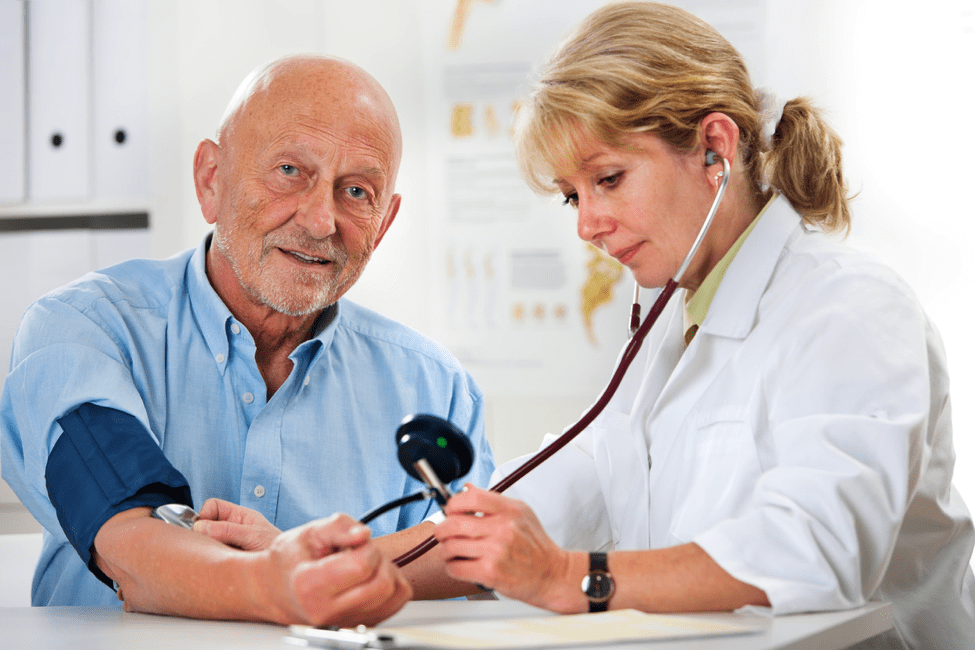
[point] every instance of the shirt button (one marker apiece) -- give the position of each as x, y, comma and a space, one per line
235, 328
307, 379
248, 397
259, 491
220, 358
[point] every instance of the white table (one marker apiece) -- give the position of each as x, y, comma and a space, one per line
56, 628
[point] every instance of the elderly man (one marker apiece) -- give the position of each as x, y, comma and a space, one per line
233, 371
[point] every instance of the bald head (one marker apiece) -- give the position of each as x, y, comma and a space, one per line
300, 186
308, 81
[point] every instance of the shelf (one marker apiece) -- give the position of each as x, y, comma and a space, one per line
81, 220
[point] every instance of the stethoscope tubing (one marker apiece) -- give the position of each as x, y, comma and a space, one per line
629, 354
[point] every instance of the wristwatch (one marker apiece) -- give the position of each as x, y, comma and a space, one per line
598, 586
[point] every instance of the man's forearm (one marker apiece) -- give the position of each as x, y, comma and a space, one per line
165, 569
326, 572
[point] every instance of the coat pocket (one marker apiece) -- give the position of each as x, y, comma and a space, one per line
717, 472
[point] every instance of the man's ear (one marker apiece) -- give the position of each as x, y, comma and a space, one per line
205, 178
391, 212
719, 133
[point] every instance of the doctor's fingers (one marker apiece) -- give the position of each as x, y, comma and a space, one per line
482, 563
470, 508
474, 499
465, 525
527, 570
506, 517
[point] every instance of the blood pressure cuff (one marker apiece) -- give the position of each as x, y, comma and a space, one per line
104, 463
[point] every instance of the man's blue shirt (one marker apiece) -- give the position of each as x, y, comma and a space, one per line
152, 339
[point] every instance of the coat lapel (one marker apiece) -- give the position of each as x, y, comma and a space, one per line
674, 380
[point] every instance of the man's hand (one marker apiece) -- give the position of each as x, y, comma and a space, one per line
327, 572
331, 573
235, 525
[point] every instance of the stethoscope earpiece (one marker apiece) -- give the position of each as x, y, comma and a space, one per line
710, 158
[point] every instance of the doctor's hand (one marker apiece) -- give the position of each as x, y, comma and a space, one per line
235, 525
328, 572
491, 540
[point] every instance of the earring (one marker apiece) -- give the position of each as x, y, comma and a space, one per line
717, 178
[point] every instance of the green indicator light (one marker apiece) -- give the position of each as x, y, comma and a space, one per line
442, 442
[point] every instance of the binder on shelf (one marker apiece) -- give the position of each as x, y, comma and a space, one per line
13, 103
120, 98
58, 114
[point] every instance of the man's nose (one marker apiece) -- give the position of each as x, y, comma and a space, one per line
316, 211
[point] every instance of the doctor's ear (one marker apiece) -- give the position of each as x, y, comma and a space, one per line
719, 136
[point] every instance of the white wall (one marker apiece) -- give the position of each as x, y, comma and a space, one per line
898, 88
894, 82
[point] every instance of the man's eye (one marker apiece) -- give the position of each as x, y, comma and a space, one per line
288, 170
357, 192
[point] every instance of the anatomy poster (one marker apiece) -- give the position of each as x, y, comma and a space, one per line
525, 304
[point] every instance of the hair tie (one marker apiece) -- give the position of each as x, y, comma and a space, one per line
770, 109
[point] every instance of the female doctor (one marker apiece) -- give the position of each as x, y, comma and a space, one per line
784, 437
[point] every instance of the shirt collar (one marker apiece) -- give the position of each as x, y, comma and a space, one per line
215, 322
734, 308
698, 302
213, 318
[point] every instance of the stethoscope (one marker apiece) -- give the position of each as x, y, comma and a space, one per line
436, 452
638, 332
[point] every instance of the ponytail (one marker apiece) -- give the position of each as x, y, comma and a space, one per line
805, 165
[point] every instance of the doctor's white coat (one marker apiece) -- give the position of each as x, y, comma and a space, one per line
803, 439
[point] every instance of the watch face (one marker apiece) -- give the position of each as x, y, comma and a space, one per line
598, 586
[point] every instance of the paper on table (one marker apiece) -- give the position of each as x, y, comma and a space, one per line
579, 629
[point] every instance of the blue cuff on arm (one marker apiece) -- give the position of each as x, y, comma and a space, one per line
104, 463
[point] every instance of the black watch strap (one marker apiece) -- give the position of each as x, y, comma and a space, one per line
597, 562
598, 585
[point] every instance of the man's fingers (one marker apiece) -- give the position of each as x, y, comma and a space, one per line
347, 568
325, 536
219, 510
243, 537
372, 602
361, 588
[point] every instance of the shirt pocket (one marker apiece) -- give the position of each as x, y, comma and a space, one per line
716, 471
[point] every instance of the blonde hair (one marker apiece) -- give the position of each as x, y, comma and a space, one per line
642, 67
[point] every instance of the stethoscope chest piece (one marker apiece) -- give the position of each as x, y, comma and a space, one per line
177, 514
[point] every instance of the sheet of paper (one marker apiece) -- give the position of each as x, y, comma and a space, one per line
580, 629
